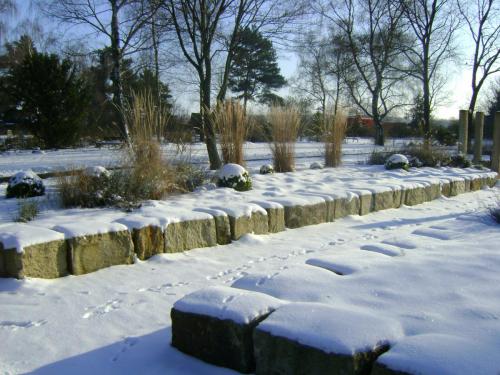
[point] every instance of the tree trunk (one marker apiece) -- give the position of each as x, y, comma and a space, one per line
379, 130
116, 57
210, 137
472, 106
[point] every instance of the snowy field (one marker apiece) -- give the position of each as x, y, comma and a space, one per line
355, 150
432, 268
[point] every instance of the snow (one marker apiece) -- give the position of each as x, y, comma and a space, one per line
231, 170
224, 303
97, 171
18, 236
424, 354
88, 227
331, 329
444, 293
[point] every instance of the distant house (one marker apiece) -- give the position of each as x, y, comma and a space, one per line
359, 120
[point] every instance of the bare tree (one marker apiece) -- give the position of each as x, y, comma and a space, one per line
482, 20
7, 8
119, 21
372, 36
209, 28
433, 24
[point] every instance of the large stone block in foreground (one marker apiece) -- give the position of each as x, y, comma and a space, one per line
256, 223
383, 200
148, 241
88, 252
311, 338
414, 195
28, 251
190, 234
216, 325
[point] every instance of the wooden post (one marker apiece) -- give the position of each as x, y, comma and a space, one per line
495, 155
462, 131
478, 137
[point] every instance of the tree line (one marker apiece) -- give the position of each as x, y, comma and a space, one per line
380, 57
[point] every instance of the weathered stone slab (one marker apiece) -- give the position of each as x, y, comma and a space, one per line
346, 205
148, 241
475, 183
446, 188
216, 325
31, 251
222, 225
95, 245
45, 260
292, 340
414, 195
303, 215
365, 202
275, 216
190, 234
398, 196
147, 234
383, 200
256, 222
457, 186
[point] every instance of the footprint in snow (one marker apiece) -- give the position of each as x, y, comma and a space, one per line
14, 326
101, 310
128, 343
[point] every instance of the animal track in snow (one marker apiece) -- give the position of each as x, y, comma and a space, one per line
105, 308
388, 250
128, 343
14, 326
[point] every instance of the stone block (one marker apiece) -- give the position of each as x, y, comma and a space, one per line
190, 234
348, 205
476, 183
148, 241
222, 229
291, 340
256, 222
93, 252
383, 200
44, 260
432, 192
216, 325
457, 186
308, 214
398, 197
414, 195
366, 203
446, 188
276, 219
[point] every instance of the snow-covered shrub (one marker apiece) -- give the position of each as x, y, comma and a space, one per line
189, 177
397, 161
459, 161
24, 185
266, 169
415, 162
427, 157
234, 176
97, 172
316, 165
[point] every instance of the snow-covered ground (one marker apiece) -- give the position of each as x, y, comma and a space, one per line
257, 153
433, 268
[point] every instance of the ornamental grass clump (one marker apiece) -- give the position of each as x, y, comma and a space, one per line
231, 123
334, 130
144, 173
285, 123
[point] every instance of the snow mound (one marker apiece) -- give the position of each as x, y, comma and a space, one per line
224, 303
332, 329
